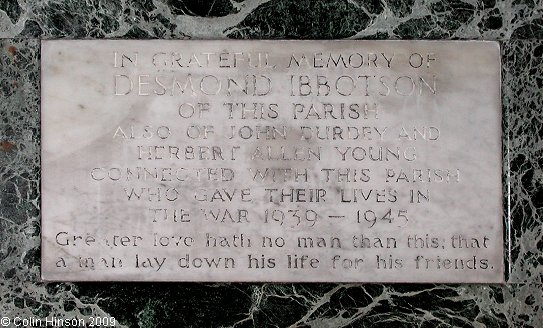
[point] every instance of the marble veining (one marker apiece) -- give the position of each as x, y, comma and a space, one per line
518, 24
523, 147
457, 19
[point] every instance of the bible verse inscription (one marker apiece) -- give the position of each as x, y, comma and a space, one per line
281, 161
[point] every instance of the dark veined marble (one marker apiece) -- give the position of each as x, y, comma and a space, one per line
523, 146
519, 303
314, 19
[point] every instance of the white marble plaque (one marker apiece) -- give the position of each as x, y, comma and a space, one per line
276, 161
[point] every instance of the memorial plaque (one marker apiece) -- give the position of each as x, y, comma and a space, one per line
279, 161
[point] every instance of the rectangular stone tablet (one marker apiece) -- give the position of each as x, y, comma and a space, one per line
272, 161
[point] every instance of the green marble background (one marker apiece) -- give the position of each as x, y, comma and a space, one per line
517, 24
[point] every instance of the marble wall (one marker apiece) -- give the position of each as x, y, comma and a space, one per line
517, 24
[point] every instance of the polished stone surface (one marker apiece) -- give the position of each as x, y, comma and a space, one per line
283, 161
518, 26
410, 19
